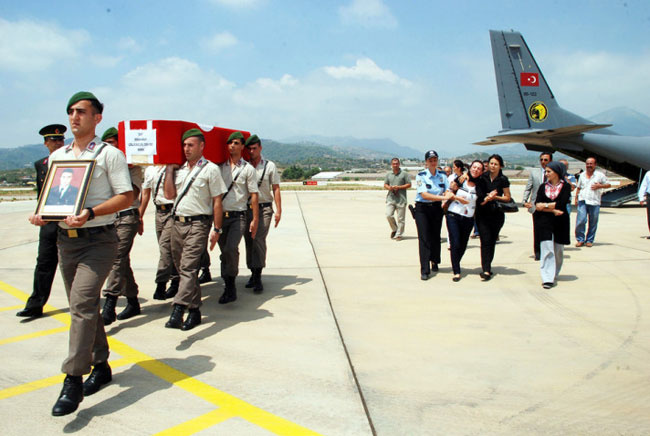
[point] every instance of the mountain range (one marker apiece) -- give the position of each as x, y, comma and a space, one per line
337, 151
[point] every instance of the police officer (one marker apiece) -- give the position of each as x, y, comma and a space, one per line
268, 179
121, 281
47, 255
242, 183
196, 189
154, 178
87, 247
432, 189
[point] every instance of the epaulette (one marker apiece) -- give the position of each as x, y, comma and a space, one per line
422, 173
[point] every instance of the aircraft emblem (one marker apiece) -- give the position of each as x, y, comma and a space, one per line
537, 111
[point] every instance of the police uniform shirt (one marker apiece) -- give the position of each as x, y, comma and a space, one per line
154, 179
246, 184
208, 184
435, 184
110, 176
135, 173
271, 177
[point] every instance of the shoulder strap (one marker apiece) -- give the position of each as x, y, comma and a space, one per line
259, 183
233, 180
201, 165
155, 191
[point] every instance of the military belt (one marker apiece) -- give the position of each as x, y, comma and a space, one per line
84, 232
128, 212
233, 213
189, 219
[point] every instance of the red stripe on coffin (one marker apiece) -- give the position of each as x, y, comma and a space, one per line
153, 142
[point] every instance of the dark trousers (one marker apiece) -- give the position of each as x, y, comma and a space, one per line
489, 226
428, 220
46, 263
233, 227
459, 228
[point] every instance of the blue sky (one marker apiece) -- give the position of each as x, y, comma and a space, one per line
418, 72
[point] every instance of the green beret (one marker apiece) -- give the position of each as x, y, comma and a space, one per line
193, 132
253, 139
81, 95
109, 133
235, 135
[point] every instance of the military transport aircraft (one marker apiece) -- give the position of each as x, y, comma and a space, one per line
531, 115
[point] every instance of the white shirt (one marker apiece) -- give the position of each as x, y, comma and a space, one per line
645, 186
198, 199
271, 177
246, 183
588, 195
468, 193
154, 178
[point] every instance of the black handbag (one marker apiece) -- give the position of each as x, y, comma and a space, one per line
509, 207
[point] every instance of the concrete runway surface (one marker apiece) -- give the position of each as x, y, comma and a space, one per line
347, 340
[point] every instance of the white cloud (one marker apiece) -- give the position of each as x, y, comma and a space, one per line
365, 69
219, 41
129, 44
105, 61
238, 4
367, 13
34, 46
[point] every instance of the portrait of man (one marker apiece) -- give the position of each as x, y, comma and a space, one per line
65, 193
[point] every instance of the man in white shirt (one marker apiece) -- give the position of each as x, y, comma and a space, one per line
589, 191
644, 195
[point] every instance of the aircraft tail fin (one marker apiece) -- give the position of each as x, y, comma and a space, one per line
525, 99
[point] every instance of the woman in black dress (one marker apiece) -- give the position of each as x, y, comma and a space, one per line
552, 221
493, 187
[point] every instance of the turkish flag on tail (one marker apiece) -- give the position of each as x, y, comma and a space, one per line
529, 79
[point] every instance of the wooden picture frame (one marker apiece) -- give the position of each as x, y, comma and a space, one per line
65, 189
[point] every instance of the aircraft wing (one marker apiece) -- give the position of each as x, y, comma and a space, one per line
539, 136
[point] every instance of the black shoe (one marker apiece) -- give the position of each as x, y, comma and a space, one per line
108, 312
547, 285
193, 319
485, 276
70, 397
159, 293
251, 281
392, 234
230, 292
434, 267
425, 276
258, 288
132, 309
176, 318
32, 312
100, 376
205, 276
456, 278
173, 289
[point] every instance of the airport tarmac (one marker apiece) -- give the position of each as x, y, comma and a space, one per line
347, 340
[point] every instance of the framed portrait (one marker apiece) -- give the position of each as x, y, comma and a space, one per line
65, 189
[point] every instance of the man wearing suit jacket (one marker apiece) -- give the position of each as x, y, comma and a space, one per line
535, 179
47, 259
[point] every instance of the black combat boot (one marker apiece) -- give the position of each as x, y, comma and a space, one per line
100, 376
193, 319
132, 309
108, 312
176, 318
258, 288
205, 276
70, 397
173, 288
230, 292
159, 294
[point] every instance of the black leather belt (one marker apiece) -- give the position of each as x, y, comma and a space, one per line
189, 219
164, 207
231, 213
128, 212
432, 204
261, 205
84, 232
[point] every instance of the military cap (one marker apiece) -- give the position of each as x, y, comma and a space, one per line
81, 95
54, 131
429, 154
253, 139
236, 135
109, 133
193, 132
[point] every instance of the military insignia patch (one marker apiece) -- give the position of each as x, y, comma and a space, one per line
537, 111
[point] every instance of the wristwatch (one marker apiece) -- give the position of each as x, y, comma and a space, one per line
91, 213
218, 231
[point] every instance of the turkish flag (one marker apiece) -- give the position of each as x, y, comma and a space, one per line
529, 79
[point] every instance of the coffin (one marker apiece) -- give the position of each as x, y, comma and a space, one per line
153, 142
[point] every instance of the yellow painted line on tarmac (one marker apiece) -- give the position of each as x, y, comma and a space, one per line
33, 335
47, 382
228, 405
197, 424
4, 309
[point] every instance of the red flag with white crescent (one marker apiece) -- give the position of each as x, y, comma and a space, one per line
529, 79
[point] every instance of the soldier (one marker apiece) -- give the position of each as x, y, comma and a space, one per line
242, 183
47, 256
87, 247
121, 281
268, 179
154, 179
197, 188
